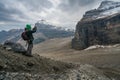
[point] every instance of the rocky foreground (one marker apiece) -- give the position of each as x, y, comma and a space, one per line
15, 66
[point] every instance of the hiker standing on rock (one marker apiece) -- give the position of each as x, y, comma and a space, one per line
27, 35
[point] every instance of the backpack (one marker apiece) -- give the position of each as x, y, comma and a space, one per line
24, 36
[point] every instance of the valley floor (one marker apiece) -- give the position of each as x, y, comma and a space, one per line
60, 49
105, 58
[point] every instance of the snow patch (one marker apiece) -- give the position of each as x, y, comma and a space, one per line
107, 8
108, 5
108, 13
100, 46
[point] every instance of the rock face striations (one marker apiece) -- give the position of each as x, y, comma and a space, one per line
100, 26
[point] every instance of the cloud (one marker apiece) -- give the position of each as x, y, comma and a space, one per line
7, 13
72, 6
58, 12
21, 10
71, 11
37, 5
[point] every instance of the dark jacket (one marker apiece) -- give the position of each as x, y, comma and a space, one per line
30, 33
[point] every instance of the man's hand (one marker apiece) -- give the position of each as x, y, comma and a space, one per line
35, 28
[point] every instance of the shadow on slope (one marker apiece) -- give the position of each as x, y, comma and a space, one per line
16, 62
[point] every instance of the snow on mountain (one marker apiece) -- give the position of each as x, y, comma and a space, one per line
108, 5
106, 8
108, 12
45, 24
109, 8
44, 32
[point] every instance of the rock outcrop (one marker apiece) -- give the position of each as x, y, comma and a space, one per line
96, 28
12, 46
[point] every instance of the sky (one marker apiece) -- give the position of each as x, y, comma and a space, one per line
65, 13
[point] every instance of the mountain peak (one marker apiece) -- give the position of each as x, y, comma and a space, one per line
106, 8
109, 5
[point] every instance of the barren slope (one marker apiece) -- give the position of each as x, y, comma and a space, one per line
15, 66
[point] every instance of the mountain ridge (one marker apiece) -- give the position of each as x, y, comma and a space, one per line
106, 8
44, 32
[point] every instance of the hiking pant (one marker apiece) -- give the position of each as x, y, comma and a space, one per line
29, 48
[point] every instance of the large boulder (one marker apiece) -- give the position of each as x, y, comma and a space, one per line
16, 47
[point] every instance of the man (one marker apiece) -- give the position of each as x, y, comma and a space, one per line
29, 33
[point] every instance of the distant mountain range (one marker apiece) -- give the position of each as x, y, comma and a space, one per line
44, 32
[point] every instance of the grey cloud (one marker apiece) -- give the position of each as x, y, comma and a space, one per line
75, 5
82, 2
7, 13
37, 5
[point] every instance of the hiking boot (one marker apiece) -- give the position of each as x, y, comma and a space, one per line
29, 55
23, 53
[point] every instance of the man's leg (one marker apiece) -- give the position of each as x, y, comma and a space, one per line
29, 49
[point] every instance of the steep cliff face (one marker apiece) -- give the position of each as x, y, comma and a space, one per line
95, 28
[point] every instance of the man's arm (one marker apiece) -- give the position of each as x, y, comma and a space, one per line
34, 30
